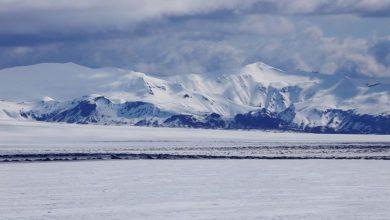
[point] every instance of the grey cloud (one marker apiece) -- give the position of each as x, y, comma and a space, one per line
311, 50
182, 36
316, 7
35, 16
177, 47
381, 52
169, 46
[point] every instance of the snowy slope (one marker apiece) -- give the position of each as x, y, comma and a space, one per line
172, 95
257, 96
11, 110
256, 85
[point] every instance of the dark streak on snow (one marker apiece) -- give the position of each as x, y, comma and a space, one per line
130, 156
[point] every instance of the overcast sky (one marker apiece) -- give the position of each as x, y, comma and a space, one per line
188, 36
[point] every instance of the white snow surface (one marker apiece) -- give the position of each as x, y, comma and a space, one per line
40, 137
193, 189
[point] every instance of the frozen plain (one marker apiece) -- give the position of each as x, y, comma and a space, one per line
190, 189
195, 189
26, 137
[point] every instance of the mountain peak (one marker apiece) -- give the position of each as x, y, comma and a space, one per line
254, 86
47, 99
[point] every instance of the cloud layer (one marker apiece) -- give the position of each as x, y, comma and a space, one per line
32, 16
181, 36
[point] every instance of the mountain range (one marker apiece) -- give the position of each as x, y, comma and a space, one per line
257, 96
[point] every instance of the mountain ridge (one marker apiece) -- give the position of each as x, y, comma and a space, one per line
258, 96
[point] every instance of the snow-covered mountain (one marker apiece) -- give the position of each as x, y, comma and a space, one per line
256, 97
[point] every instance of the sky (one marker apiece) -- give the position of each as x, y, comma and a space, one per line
164, 37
